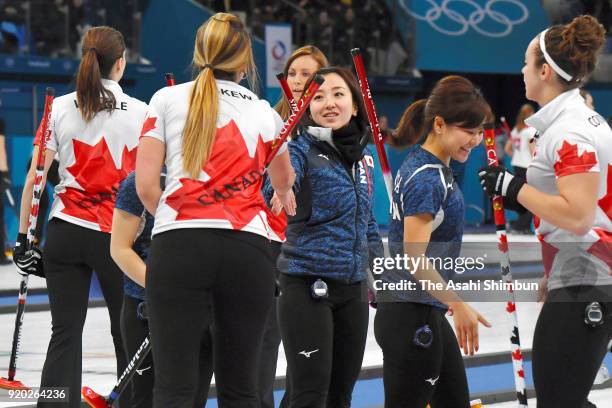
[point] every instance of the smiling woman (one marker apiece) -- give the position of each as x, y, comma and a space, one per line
330, 243
333, 106
299, 68
428, 208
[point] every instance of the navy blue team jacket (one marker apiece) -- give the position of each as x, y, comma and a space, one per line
334, 234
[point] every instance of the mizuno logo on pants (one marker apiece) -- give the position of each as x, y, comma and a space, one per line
142, 370
308, 353
432, 381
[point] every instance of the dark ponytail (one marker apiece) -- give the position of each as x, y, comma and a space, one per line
454, 98
102, 47
411, 126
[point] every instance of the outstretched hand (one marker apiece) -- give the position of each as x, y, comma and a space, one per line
284, 200
466, 322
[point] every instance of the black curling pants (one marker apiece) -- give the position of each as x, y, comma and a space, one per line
271, 342
324, 341
70, 255
134, 330
415, 376
196, 277
567, 352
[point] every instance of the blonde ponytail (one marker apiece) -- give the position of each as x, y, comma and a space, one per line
201, 124
222, 44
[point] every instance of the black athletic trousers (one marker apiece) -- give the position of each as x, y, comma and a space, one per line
567, 353
188, 272
134, 330
324, 340
70, 255
271, 342
415, 376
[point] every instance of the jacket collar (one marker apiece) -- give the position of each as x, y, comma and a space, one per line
112, 85
542, 119
321, 134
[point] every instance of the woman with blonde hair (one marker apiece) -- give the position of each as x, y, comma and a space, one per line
210, 238
299, 68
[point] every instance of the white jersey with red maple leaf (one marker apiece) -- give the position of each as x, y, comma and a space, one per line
227, 194
93, 157
573, 139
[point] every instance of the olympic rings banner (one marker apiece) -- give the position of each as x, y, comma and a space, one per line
278, 50
474, 35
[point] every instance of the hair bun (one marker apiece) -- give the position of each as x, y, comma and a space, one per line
586, 36
581, 41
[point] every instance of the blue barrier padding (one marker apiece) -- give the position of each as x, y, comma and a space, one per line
476, 202
381, 199
31, 299
19, 151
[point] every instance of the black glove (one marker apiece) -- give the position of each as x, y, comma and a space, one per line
495, 180
5, 181
28, 262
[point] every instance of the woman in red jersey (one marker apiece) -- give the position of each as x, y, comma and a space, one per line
94, 132
211, 235
569, 191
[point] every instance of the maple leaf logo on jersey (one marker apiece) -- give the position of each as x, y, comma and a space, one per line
606, 202
95, 171
548, 254
571, 163
233, 190
148, 125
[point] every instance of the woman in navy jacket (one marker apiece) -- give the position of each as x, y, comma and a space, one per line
323, 309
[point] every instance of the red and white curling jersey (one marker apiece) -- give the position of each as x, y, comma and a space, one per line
93, 157
227, 194
574, 139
